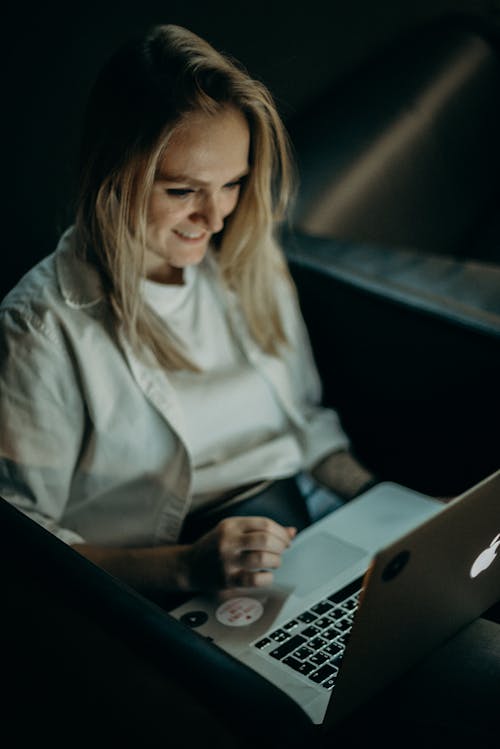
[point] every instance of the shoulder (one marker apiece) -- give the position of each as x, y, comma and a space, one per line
31, 300
58, 288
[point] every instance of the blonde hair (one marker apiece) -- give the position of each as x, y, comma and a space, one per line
144, 92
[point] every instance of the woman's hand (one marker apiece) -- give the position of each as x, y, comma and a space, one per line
238, 552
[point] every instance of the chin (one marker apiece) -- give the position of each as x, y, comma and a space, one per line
193, 258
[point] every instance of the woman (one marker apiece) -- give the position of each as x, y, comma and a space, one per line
156, 365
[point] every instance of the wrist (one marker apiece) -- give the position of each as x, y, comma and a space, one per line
181, 568
366, 485
344, 474
167, 569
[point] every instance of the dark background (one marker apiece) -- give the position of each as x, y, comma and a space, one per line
52, 55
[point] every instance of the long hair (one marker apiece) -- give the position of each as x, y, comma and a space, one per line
142, 94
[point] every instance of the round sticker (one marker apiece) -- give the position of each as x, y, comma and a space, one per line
239, 612
194, 618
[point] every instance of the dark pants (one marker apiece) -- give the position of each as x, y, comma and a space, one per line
281, 501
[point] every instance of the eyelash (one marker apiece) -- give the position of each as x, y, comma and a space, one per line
178, 192
184, 192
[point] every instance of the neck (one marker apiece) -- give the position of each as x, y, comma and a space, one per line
166, 275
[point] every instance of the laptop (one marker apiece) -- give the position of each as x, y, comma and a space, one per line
362, 595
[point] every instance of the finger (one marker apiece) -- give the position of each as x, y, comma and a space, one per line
259, 560
252, 524
262, 541
250, 578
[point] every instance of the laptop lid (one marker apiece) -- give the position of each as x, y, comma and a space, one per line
419, 591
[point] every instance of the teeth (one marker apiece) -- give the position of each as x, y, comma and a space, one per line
188, 235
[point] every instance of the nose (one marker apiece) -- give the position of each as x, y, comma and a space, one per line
211, 213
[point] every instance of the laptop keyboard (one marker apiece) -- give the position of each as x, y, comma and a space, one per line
313, 642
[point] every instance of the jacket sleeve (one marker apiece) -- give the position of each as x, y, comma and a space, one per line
41, 418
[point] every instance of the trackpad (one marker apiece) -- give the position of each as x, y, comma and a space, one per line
315, 560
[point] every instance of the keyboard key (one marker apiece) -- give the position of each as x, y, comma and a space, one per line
322, 623
310, 631
333, 649
319, 658
344, 624
336, 660
337, 613
290, 625
262, 643
287, 647
324, 672
350, 604
307, 617
329, 683
317, 643
280, 635
322, 607
331, 634
300, 666
303, 653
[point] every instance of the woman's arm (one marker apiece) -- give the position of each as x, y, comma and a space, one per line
343, 473
238, 552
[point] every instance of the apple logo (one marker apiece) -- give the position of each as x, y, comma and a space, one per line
486, 557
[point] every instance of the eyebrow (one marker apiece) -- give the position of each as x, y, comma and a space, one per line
184, 178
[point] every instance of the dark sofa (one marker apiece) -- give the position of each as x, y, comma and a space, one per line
404, 150
408, 349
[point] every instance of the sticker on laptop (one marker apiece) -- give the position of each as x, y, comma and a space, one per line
239, 612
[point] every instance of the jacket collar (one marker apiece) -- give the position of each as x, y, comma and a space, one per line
79, 282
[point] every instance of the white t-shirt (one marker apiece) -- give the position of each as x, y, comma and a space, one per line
237, 431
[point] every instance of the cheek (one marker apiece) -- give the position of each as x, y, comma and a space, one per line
231, 202
162, 214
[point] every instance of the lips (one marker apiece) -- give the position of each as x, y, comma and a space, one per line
189, 236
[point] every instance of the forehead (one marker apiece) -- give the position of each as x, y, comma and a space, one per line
204, 144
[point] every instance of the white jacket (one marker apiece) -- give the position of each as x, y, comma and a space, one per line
91, 437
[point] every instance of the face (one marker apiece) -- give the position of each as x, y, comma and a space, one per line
196, 187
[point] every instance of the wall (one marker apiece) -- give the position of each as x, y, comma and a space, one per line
52, 56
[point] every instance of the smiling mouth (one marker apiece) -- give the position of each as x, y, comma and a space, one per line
189, 235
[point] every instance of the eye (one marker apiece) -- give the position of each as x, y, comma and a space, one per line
235, 184
179, 192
